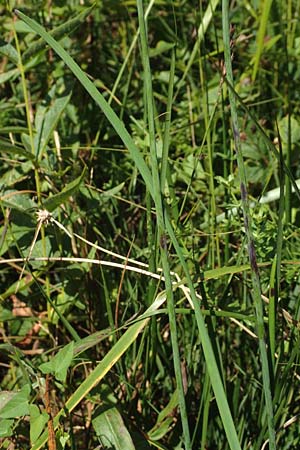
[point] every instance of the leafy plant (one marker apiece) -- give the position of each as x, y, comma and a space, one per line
134, 310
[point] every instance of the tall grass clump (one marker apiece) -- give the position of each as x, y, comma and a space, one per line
149, 235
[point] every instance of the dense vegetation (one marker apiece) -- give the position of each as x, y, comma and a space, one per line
150, 225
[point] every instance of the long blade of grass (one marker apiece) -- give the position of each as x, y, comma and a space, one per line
102, 368
265, 138
210, 359
65, 29
97, 97
248, 228
263, 21
161, 225
206, 19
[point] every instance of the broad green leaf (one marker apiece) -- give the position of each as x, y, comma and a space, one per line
59, 364
58, 199
17, 200
111, 430
38, 421
14, 404
284, 131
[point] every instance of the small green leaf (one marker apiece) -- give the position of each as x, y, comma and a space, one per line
164, 419
161, 429
38, 421
53, 202
46, 121
161, 47
111, 430
9, 51
7, 146
5, 76
59, 364
6, 428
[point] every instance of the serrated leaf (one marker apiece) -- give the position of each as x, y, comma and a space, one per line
58, 199
59, 364
111, 430
14, 404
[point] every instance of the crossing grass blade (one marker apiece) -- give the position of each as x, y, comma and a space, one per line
255, 277
110, 359
96, 96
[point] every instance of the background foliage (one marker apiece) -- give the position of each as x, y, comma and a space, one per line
63, 339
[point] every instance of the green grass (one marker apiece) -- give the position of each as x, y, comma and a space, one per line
158, 298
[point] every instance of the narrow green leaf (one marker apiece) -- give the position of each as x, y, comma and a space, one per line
9, 51
5, 76
165, 419
265, 6
7, 146
90, 341
210, 358
97, 96
46, 122
70, 189
104, 366
58, 33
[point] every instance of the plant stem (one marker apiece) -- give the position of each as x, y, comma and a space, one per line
248, 228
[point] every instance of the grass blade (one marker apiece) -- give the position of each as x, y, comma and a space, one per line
102, 368
96, 95
161, 231
248, 228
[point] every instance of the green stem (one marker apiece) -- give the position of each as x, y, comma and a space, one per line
157, 196
248, 228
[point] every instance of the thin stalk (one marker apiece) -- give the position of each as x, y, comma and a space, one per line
209, 355
212, 202
28, 115
248, 228
31, 140
161, 224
